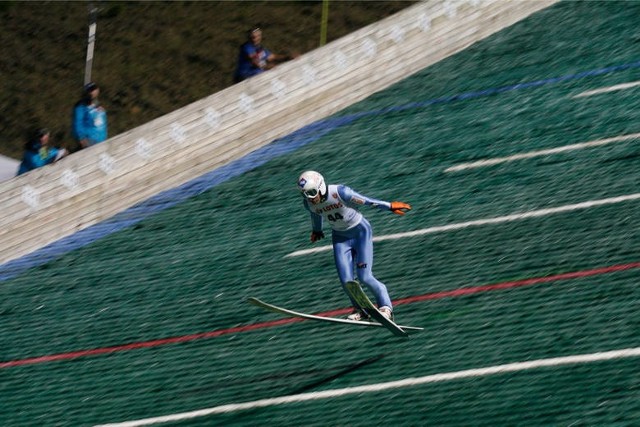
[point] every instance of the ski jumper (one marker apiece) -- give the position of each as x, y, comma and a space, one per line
351, 236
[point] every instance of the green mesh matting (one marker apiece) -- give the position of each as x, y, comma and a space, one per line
189, 269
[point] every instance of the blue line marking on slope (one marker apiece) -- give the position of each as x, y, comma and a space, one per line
277, 148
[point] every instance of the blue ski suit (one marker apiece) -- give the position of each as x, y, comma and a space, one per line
351, 235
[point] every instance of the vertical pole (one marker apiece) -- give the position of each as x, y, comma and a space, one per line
324, 22
93, 23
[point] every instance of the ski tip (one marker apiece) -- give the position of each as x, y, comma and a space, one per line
254, 301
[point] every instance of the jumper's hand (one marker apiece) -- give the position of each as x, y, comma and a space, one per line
399, 208
316, 235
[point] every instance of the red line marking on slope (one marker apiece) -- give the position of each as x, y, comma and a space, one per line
144, 344
263, 325
519, 283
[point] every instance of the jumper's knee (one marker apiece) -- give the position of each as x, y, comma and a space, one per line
365, 275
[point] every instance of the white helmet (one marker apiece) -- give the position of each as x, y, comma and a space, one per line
311, 183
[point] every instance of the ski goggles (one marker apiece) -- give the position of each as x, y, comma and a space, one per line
310, 194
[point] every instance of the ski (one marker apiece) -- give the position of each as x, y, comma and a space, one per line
291, 313
360, 298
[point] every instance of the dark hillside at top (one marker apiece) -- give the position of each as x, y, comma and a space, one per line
150, 57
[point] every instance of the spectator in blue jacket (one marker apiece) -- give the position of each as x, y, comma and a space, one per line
37, 152
255, 58
89, 118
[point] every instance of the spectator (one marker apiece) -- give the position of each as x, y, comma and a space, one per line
89, 118
37, 152
255, 58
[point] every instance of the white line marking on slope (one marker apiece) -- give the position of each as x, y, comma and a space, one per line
531, 154
408, 382
487, 221
607, 89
